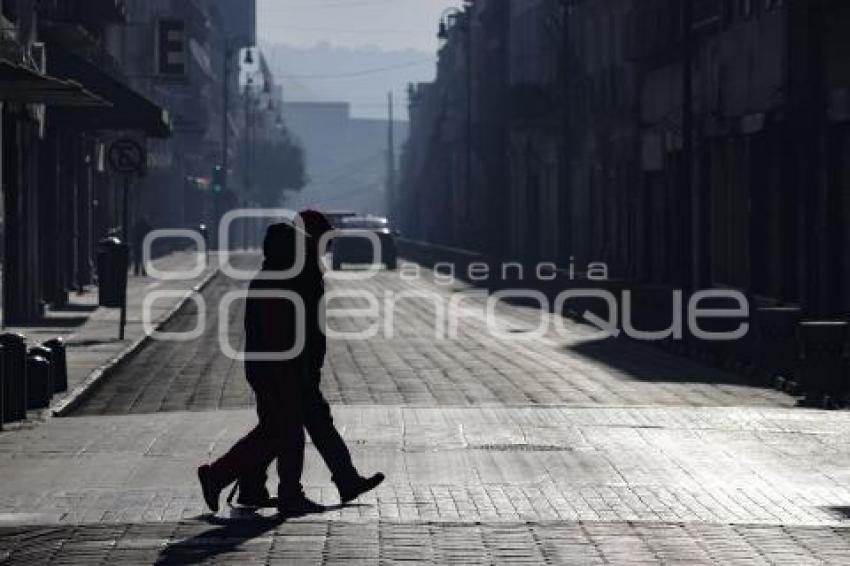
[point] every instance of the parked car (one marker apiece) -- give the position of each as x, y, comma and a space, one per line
336, 217
351, 245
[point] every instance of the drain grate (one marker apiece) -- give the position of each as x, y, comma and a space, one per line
520, 448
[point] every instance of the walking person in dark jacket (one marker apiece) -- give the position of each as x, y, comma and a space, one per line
318, 419
270, 327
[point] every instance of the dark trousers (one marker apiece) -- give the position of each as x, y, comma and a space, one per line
278, 436
138, 262
320, 426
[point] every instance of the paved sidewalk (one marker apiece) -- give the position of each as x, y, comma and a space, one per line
413, 368
91, 332
390, 542
720, 465
562, 449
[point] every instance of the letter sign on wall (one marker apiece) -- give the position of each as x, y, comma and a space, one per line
171, 48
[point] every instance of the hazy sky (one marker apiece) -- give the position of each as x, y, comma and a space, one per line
388, 24
352, 50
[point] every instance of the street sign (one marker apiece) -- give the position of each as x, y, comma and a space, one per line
127, 156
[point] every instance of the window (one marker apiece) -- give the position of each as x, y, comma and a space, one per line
11, 10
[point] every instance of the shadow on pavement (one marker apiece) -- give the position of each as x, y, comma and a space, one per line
93, 342
58, 322
76, 308
226, 537
840, 511
228, 534
647, 363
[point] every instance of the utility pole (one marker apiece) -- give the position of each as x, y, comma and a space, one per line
225, 136
469, 158
391, 177
249, 135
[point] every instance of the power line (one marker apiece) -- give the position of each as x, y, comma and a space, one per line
362, 72
325, 5
347, 31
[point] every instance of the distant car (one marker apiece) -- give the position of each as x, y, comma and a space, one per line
337, 217
351, 245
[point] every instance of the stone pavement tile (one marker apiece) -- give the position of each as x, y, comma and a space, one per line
463, 464
312, 541
412, 366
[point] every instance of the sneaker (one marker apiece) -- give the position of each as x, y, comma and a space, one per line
297, 506
349, 491
210, 490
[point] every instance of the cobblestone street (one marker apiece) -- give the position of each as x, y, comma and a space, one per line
559, 449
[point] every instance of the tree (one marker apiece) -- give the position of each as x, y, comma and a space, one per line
275, 166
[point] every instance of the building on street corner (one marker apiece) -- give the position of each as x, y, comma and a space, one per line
685, 144
74, 77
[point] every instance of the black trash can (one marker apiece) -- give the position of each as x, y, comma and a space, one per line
39, 384
15, 378
113, 259
42, 351
778, 347
60, 364
2, 387
822, 357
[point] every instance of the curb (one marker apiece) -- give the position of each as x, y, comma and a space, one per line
83, 391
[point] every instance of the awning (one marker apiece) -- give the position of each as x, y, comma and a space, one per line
19, 84
130, 110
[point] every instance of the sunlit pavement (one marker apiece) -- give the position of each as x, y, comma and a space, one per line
497, 449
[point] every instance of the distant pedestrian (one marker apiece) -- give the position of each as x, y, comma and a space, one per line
140, 231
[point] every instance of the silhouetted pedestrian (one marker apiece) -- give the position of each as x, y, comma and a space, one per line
317, 412
270, 327
140, 231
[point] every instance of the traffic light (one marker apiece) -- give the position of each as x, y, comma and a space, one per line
218, 179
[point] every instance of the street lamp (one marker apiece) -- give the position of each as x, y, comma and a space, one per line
448, 20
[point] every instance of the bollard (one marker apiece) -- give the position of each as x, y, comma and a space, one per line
60, 364
39, 386
778, 348
14, 371
822, 358
2, 387
44, 352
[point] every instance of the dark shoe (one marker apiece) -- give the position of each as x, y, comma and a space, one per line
209, 488
298, 506
351, 490
255, 498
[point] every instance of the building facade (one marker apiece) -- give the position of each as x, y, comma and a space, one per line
685, 144
74, 77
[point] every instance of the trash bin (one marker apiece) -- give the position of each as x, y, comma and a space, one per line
39, 384
14, 374
822, 358
778, 348
2, 387
60, 364
113, 260
43, 351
